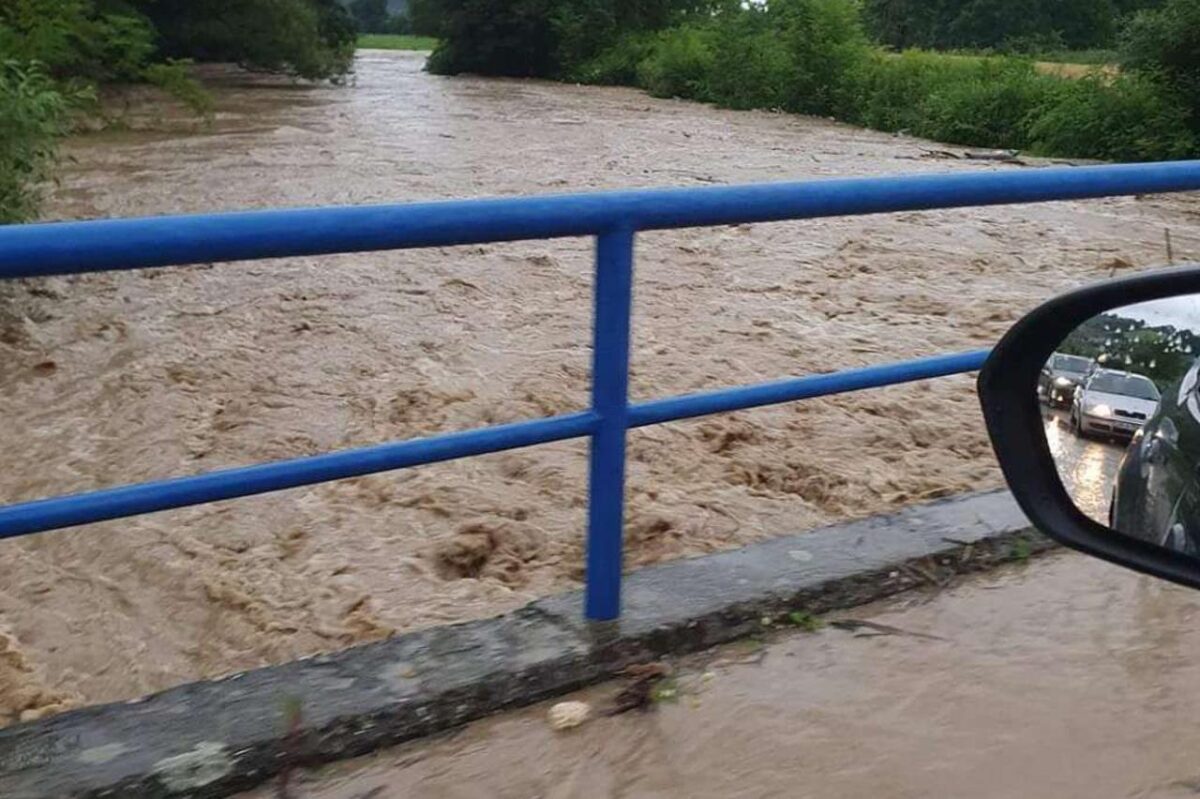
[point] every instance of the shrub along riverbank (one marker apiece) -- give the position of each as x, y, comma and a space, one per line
814, 57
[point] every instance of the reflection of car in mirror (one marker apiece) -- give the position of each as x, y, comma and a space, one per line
1113, 403
1155, 497
1061, 374
1132, 496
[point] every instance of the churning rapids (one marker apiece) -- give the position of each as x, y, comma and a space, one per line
113, 378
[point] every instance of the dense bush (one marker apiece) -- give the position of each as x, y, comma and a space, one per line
77, 39
370, 16
989, 104
115, 40
1127, 119
752, 67
828, 48
811, 56
496, 37
1164, 44
680, 64
617, 64
33, 115
542, 38
310, 38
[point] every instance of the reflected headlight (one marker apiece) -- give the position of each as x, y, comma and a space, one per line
1062, 382
1099, 409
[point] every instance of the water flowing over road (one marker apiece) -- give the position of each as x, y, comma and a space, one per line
1062, 678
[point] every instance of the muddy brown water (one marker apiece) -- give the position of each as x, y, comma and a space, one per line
1066, 677
111, 378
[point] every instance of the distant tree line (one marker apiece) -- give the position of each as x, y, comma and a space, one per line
1163, 353
820, 57
376, 16
1011, 25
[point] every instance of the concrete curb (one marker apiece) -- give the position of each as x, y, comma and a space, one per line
209, 739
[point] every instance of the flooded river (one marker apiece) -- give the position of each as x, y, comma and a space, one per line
106, 379
1063, 678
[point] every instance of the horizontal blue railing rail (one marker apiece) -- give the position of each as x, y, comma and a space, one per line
613, 218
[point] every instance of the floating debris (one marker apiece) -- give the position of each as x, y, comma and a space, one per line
568, 715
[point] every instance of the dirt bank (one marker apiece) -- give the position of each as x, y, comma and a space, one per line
110, 378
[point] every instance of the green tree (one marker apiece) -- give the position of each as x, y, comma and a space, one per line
77, 39
370, 16
828, 46
33, 116
548, 38
496, 37
1029, 25
1164, 44
906, 23
424, 18
309, 38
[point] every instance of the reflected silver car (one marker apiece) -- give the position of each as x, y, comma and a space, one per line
1112, 403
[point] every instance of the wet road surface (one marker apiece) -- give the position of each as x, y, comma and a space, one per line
1087, 466
111, 378
1065, 677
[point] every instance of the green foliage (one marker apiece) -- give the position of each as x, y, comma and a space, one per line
312, 39
370, 16
828, 49
77, 39
33, 115
172, 77
893, 89
116, 40
543, 38
1164, 44
496, 37
1026, 26
985, 103
679, 64
425, 18
1161, 352
56, 50
619, 63
813, 56
752, 66
805, 621
982, 102
1127, 119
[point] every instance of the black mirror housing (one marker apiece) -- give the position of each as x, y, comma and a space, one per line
1015, 422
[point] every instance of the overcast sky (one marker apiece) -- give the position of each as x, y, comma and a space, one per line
1182, 312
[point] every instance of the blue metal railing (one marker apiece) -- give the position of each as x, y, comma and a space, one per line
613, 218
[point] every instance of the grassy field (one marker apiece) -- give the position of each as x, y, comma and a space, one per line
391, 41
1098, 57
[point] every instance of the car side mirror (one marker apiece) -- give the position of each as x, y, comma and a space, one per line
1114, 473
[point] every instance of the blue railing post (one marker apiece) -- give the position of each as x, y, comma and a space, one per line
610, 402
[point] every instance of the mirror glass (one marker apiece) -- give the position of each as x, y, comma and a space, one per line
1122, 417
